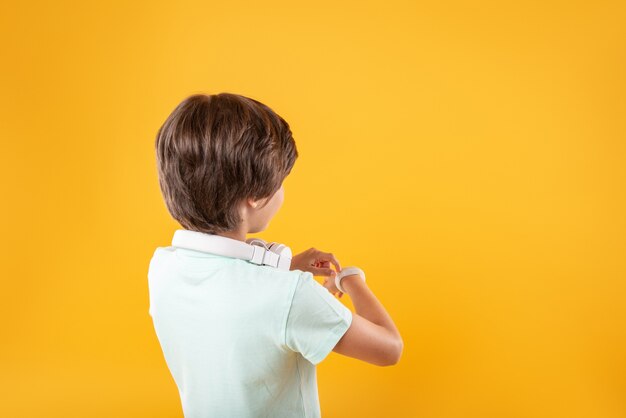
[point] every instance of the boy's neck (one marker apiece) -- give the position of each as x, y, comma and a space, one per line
239, 235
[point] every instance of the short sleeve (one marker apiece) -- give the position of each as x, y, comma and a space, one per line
316, 320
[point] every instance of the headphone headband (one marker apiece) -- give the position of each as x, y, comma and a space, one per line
274, 255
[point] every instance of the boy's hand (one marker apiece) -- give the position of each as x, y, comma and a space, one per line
329, 283
318, 263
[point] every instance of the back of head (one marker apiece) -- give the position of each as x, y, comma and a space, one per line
215, 151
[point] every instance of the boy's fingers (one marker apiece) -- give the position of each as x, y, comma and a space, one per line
329, 257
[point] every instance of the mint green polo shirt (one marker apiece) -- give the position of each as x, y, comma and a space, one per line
242, 340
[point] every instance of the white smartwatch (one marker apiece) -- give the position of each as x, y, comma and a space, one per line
347, 271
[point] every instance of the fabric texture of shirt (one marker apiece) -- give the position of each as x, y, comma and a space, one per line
242, 340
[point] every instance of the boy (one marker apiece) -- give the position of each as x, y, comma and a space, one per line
241, 339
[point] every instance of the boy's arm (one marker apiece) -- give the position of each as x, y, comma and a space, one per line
372, 336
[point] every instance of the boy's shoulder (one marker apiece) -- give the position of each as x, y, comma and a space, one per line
291, 279
263, 270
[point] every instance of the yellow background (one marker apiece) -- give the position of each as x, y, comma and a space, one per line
468, 156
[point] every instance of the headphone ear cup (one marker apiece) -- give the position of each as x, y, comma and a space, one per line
256, 241
280, 249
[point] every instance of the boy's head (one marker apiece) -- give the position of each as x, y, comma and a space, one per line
221, 162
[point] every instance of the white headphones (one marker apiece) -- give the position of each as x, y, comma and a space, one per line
254, 250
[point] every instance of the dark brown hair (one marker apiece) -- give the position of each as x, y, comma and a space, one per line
215, 151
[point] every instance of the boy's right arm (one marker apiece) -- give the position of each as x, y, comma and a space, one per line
372, 336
